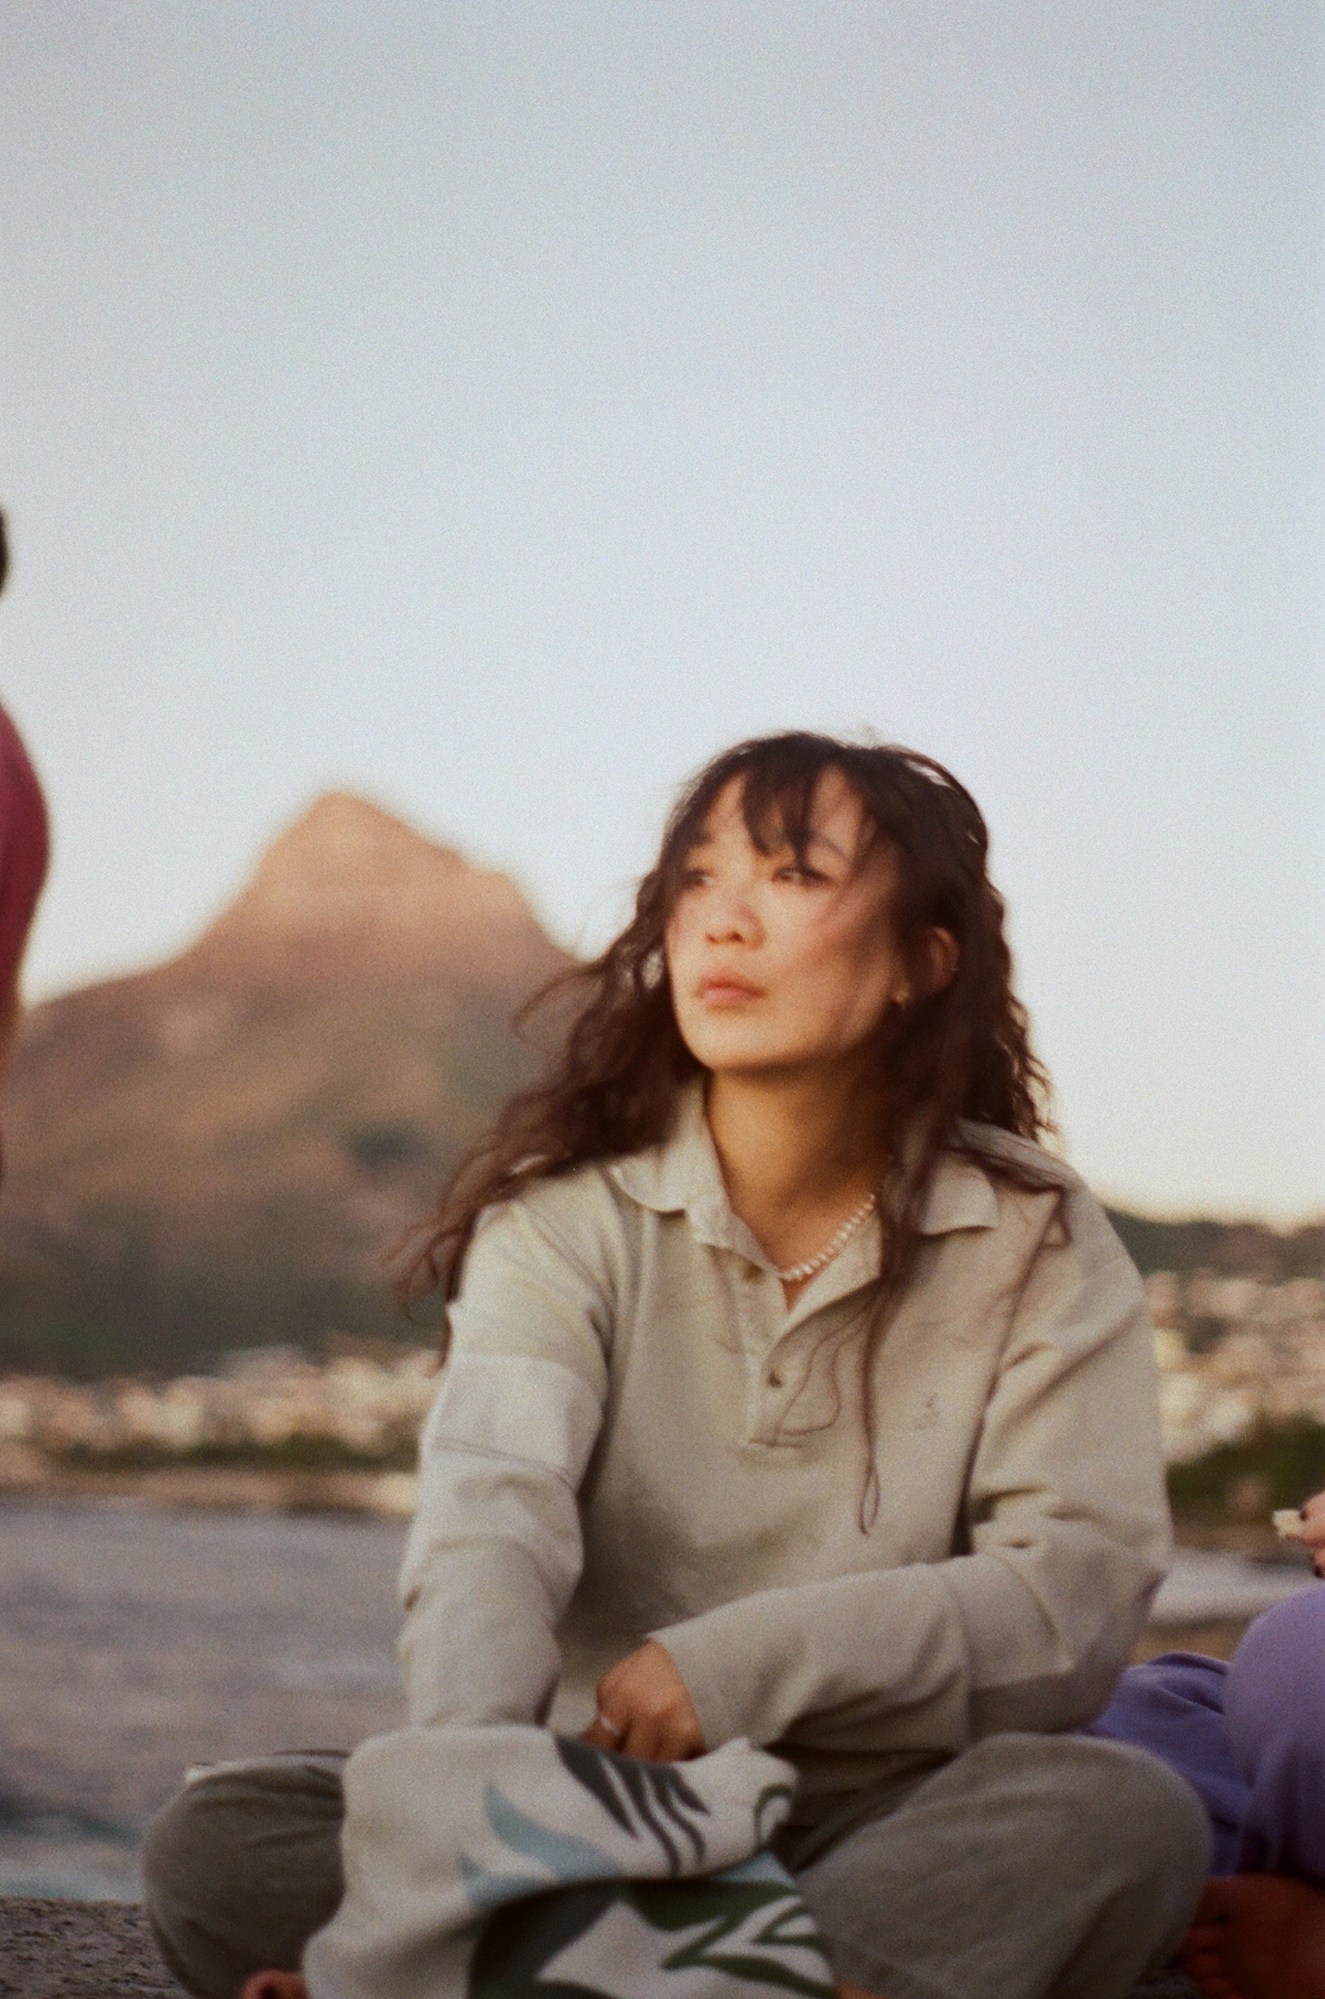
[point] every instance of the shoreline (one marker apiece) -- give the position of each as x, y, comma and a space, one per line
382, 1495
1224, 1573
391, 1494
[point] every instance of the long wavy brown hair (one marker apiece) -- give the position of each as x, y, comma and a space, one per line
952, 1058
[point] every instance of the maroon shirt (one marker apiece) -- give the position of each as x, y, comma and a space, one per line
25, 849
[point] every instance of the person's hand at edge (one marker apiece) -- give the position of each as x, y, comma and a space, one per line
1313, 1530
645, 1710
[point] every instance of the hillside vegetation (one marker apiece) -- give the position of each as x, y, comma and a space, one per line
1231, 1249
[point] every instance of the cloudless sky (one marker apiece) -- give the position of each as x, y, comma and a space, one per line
497, 408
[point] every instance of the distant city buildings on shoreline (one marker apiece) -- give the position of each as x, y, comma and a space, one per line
1235, 1354
270, 1404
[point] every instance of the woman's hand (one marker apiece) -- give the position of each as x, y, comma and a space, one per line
644, 1709
1313, 1530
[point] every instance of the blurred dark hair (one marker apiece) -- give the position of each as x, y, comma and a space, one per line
959, 1053
4, 553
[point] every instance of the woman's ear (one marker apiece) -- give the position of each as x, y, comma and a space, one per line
940, 955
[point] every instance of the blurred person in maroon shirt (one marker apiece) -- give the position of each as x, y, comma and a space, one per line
24, 853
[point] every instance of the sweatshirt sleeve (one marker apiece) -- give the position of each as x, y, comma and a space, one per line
1067, 1530
495, 1549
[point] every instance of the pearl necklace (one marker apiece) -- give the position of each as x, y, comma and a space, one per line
794, 1272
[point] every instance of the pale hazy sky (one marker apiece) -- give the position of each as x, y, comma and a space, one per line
497, 408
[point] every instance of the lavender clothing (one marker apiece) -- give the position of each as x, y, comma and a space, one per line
1248, 1736
1174, 1707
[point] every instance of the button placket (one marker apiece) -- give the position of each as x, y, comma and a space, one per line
778, 1387
794, 1358
750, 1317
785, 1372
756, 1338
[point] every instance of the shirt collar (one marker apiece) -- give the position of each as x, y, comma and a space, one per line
960, 1195
682, 1175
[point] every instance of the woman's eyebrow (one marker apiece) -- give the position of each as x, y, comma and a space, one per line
814, 838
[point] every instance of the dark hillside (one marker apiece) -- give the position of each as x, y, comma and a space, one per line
1231, 1249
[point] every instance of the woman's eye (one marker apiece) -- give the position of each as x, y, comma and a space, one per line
795, 872
693, 878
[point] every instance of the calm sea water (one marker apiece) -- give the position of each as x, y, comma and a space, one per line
134, 1642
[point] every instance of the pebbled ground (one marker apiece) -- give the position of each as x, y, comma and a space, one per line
79, 1950
104, 1950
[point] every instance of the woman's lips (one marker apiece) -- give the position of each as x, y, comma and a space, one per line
725, 989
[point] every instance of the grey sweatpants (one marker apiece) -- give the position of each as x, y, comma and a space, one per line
1030, 1867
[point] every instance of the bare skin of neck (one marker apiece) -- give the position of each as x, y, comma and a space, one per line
798, 1152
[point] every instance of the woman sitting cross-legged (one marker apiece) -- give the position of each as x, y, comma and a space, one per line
793, 1393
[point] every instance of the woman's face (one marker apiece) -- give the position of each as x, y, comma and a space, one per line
777, 966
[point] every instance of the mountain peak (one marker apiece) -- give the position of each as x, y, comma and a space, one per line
350, 888
340, 845
345, 816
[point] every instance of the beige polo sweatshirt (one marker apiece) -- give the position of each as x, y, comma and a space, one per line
634, 1436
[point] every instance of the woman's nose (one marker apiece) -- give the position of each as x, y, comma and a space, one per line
730, 914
